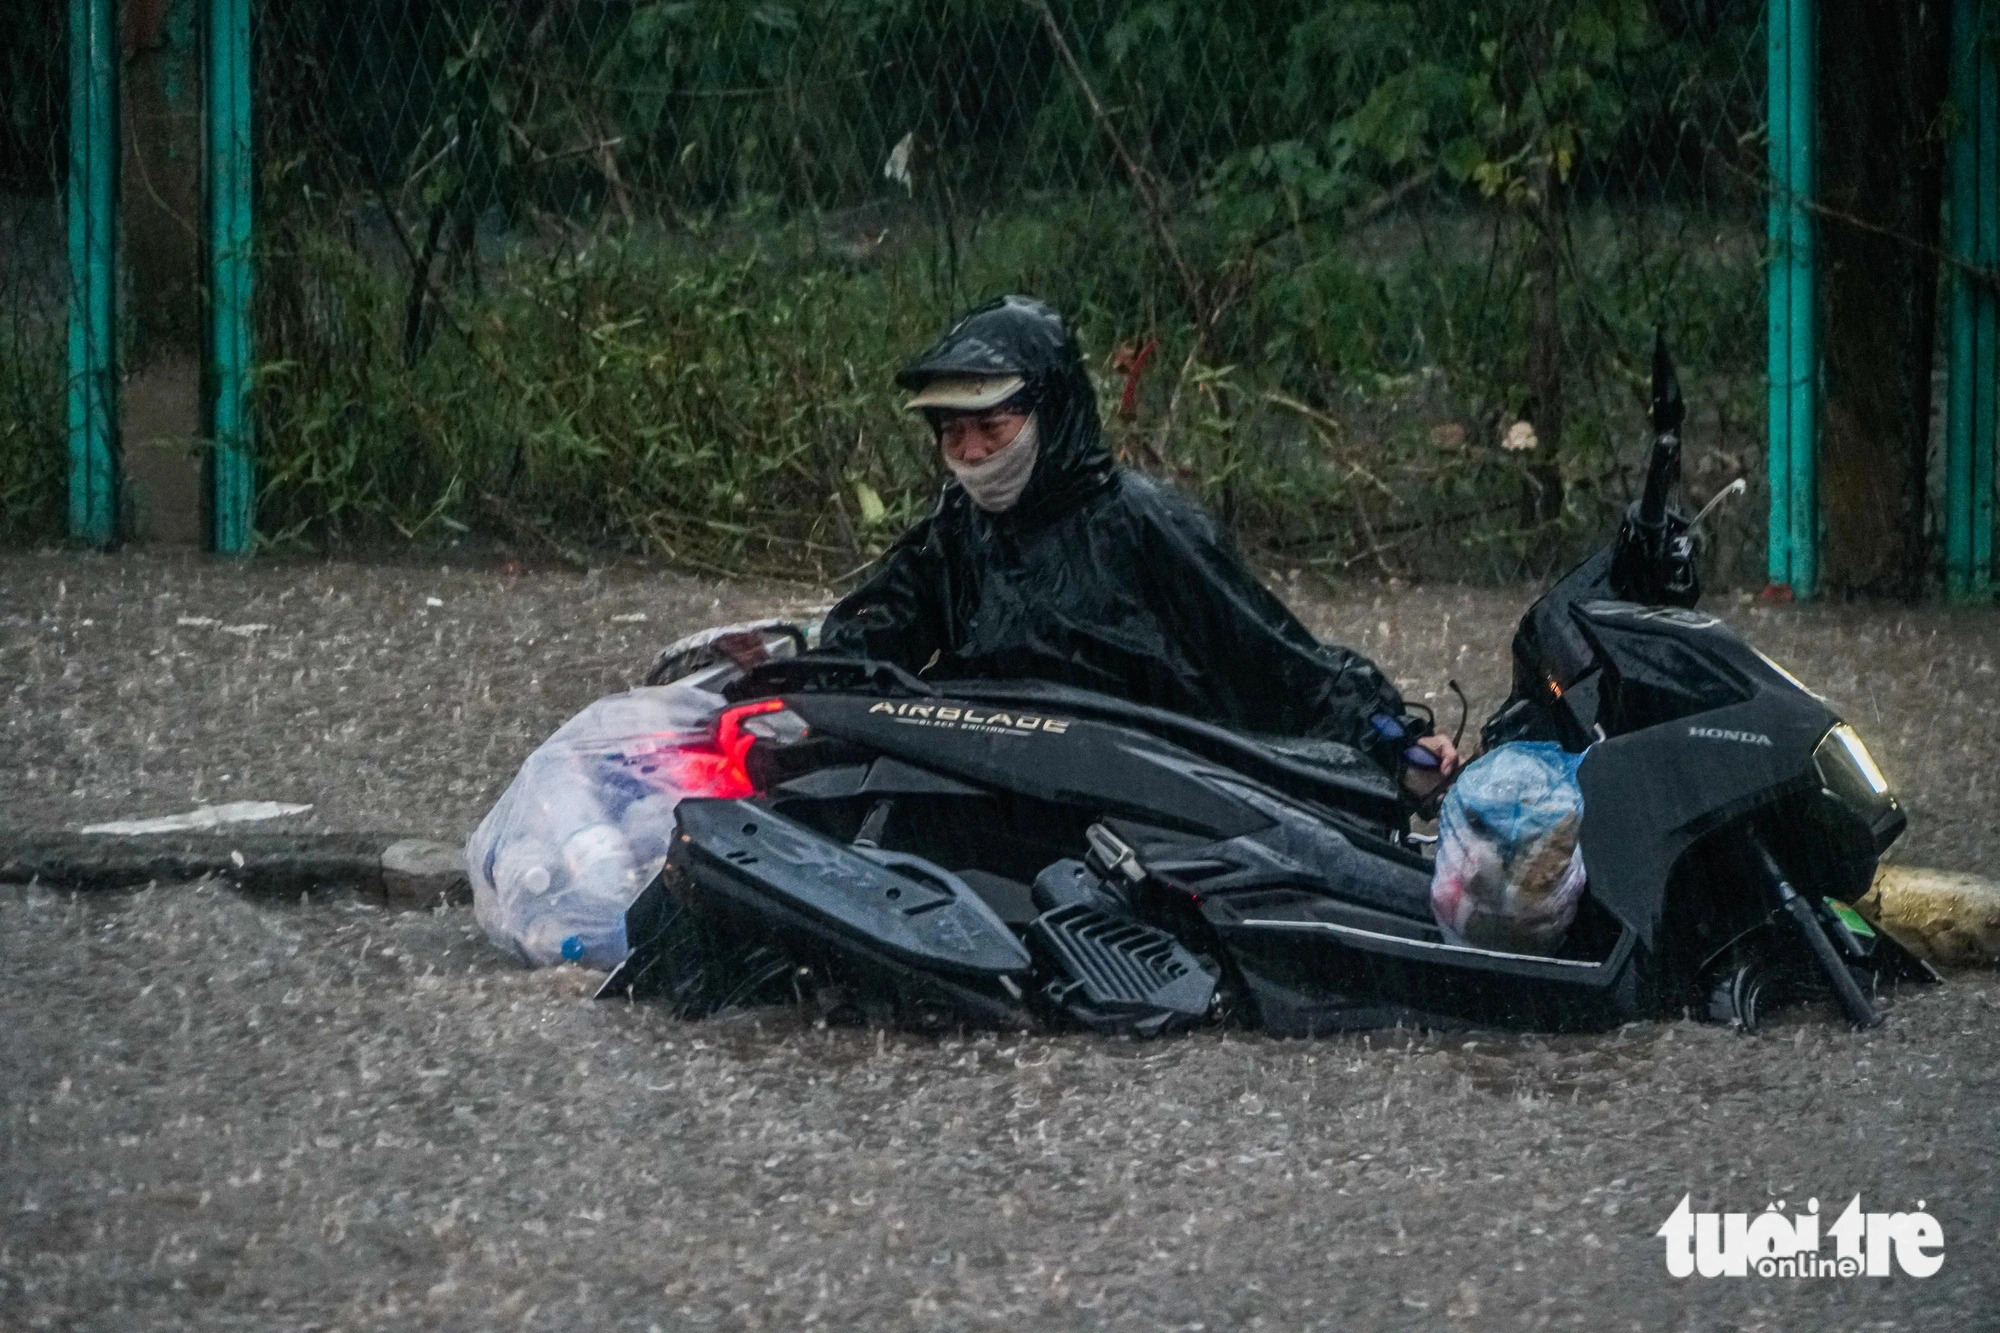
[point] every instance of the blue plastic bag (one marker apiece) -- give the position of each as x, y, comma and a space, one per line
1509, 872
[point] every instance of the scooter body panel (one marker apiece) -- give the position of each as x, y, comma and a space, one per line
1726, 810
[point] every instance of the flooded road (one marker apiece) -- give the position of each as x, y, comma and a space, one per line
220, 1114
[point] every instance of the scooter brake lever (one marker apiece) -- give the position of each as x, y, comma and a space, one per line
1733, 489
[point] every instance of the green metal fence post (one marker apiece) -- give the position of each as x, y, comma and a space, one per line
1971, 416
93, 271
1804, 148
231, 168
1778, 302
1793, 326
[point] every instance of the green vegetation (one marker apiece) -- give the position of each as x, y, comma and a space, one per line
723, 398
33, 449
34, 452
634, 275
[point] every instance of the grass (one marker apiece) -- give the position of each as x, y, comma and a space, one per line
719, 395
34, 453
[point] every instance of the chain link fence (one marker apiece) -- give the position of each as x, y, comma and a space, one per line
1375, 280
34, 289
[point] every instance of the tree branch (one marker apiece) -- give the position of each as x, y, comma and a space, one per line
1143, 184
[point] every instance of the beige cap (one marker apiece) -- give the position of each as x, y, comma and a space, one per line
966, 393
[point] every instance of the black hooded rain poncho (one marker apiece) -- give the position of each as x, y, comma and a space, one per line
1098, 577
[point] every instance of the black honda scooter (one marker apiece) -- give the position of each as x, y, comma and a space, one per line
1022, 853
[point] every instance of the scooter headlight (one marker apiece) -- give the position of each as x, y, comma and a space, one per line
1850, 774
1862, 761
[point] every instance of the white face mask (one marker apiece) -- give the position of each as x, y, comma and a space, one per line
996, 482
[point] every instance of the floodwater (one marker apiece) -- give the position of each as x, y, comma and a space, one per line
221, 1114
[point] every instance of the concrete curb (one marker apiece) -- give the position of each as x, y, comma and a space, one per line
1949, 918
400, 873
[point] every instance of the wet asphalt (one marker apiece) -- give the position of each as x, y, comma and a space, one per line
217, 1113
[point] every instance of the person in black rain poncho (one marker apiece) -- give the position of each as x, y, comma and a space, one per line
1047, 560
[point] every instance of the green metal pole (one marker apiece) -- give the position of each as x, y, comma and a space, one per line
233, 495
1802, 146
1986, 420
93, 272
1778, 104
1971, 415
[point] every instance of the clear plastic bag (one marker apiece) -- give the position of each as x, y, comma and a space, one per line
1509, 872
586, 822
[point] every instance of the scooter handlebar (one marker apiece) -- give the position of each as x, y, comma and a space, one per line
1662, 471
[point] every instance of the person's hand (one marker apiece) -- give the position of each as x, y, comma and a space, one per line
1424, 781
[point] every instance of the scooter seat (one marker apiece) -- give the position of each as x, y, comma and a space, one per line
1328, 756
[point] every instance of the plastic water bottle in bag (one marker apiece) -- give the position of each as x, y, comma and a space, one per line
585, 824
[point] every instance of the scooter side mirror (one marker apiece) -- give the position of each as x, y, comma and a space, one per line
1653, 560
1669, 410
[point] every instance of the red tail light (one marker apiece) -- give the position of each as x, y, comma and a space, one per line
723, 773
699, 770
716, 768
734, 741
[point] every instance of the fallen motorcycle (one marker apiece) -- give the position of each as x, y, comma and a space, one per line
1019, 853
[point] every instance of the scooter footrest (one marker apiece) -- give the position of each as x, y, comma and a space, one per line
1118, 976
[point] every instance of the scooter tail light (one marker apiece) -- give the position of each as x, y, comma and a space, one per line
702, 770
730, 737
714, 766
725, 772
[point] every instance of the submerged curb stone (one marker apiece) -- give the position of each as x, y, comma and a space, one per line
418, 874
1949, 918
397, 872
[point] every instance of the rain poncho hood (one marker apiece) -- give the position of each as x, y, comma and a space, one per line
1098, 577
1019, 336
